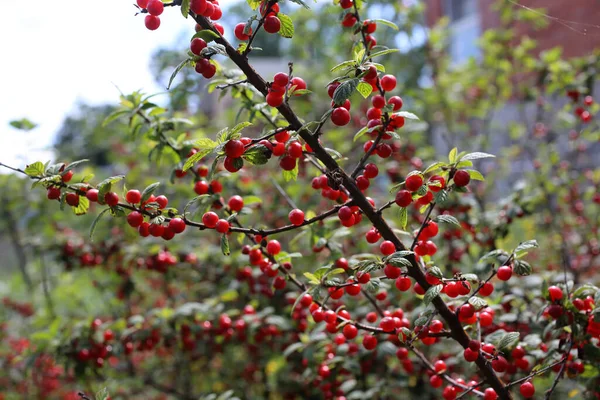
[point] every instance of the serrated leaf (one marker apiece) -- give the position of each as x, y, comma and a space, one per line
431, 293
185, 7
225, 245
345, 90
95, 223
508, 341
35, 170
407, 115
364, 89
387, 23
178, 68
360, 133
383, 52
257, 155
403, 217
475, 175
287, 26
522, 268
149, 190
478, 303
234, 132
523, 247
447, 219
399, 262
476, 156
199, 155
344, 64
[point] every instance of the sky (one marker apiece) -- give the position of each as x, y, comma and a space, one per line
55, 55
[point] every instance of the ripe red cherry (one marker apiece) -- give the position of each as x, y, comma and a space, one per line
369, 342
92, 195
403, 283
198, 6
363, 277
345, 213
67, 176
430, 229
370, 26
504, 273
486, 289
350, 331
467, 311
436, 381
372, 236
413, 182
162, 201
177, 225
396, 101
274, 99
295, 149
72, 199
133, 196
142, 3
527, 389
152, 22
296, 217
234, 148
490, 394
273, 247
287, 163
144, 229
217, 13
461, 178
201, 187
111, 198
340, 116
436, 183
449, 393
555, 293
197, 45
281, 79
388, 82
349, 20
307, 300
299, 83
274, 8
403, 198
156, 230
440, 366
470, 355
387, 248
210, 219
392, 272
371, 171
222, 226
272, 24
53, 193
236, 203
135, 219
378, 101
155, 7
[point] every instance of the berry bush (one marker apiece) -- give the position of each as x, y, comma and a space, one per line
319, 241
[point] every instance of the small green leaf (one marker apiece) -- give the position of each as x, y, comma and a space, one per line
113, 116
225, 245
312, 278
407, 115
95, 223
360, 133
206, 34
399, 262
447, 219
383, 52
287, 26
185, 7
290, 175
344, 90
435, 271
234, 132
522, 268
177, 69
475, 175
149, 190
523, 247
387, 23
344, 64
476, 156
22, 124
105, 186
35, 170
189, 163
364, 89
83, 207
432, 293
403, 217
434, 167
102, 394
452, 155
257, 155
508, 341
252, 200
72, 165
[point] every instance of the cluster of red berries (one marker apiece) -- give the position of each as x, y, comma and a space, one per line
90, 350
203, 65
154, 8
322, 183
580, 109
25, 309
279, 86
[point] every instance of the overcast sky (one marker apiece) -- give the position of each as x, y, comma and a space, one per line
55, 54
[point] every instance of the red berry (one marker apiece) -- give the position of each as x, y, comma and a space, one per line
236, 203
413, 182
156, 230
272, 24
197, 45
152, 22
296, 217
486, 289
490, 394
504, 273
72, 199
287, 163
111, 198
527, 389
369, 342
403, 198
470, 355
222, 226
388, 82
274, 99
133, 196
144, 229
340, 116
307, 300
162, 201
387, 248
135, 219
273, 247
378, 101
142, 3
92, 195
349, 20
53, 193
67, 176
155, 7
177, 225
403, 283
234, 148
210, 219
396, 101
198, 6
350, 331
461, 178
555, 293
201, 187
216, 186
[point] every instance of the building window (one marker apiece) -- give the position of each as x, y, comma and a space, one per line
465, 29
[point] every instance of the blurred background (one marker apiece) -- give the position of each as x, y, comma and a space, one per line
514, 78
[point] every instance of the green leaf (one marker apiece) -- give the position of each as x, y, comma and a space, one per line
95, 223
113, 116
149, 190
189, 163
360, 133
72, 165
403, 217
344, 64
386, 23
83, 207
476, 156
522, 268
407, 115
22, 124
508, 341
312, 278
434, 167
257, 155
105, 186
35, 170
447, 219
475, 175
178, 68
287, 26
252, 200
344, 91
253, 4
452, 155
478, 303
206, 34
432, 293
422, 320
523, 247
185, 8
435, 271
292, 348
234, 132
399, 262
364, 89
225, 245
383, 52
291, 175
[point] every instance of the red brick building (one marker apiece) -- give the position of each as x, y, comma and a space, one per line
573, 24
